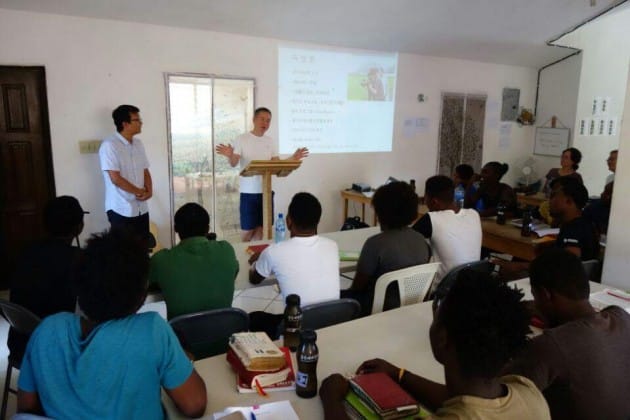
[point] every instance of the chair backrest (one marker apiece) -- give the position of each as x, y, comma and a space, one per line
325, 314
592, 268
413, 283
484, 266
19, 318
206, 333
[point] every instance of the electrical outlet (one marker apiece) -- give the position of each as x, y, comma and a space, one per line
89, 146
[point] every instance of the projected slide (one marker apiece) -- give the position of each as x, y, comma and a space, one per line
334, 102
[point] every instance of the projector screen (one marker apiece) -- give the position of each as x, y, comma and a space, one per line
334, 102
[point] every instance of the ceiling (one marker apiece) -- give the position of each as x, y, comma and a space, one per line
498, 31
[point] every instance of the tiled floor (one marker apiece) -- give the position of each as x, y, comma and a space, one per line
264, 298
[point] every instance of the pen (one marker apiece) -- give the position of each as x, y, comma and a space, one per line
253, 416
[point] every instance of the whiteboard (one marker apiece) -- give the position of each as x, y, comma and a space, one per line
551, 141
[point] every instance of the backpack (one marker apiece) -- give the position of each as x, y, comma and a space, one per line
354, 223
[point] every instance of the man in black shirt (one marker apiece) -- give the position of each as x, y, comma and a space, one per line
577, 234
43, 281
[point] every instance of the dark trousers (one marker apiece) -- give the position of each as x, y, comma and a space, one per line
266, 322
137, 226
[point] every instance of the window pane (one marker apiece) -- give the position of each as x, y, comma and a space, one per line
233, 111
205, 112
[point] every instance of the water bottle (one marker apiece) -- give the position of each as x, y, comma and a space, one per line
292, 322
307, 357
281, 229
460, 193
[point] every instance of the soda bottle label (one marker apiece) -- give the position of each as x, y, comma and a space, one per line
294, 319
304, 358
301, 379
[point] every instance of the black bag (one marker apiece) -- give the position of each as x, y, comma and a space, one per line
354, 223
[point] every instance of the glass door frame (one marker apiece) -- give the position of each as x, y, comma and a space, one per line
169, 139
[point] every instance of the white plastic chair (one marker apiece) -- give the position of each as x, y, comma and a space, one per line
413, 283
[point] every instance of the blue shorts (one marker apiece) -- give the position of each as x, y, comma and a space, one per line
251, 208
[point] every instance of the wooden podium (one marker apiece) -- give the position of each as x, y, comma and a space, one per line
266, 168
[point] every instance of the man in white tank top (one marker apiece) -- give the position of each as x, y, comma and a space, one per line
454, 233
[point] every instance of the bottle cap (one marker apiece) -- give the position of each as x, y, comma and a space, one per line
280, 215
293, 300
308, 335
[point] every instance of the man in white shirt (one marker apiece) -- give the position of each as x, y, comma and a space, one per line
254, 145
612, 166
125, 167
454, 233
306, 265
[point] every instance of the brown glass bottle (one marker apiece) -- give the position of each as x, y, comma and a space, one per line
292, 322
307, 357
501, 213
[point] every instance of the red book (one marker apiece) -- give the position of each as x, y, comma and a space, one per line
254, 249
388, 399
245, 377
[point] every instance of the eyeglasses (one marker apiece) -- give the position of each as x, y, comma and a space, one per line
136, 119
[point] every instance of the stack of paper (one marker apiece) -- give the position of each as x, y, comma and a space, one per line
280, 410
609, 297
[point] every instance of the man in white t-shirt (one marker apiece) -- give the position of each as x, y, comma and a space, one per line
454, 233
254, 145
128, 184
306, 265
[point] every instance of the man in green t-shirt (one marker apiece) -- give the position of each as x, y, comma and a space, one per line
198, 273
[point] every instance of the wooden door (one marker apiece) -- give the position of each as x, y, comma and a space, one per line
26, 171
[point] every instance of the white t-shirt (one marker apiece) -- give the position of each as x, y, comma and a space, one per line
456, 238
305, 266
251, 147
130, 159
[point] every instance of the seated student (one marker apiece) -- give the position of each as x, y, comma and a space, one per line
397, 246
581, 361
454, 233
491, 191
577, 234
464, 175
598, 211
476, 329
612, 165
306, 265
45, 274
197, 274
112, 362
569, 164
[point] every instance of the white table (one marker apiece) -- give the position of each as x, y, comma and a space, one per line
347, 240
400, 336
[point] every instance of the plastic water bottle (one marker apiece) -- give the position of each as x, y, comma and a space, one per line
460, 193
281, 229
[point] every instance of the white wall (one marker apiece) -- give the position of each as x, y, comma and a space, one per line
606, 48
558, 95
94, 65
617, 263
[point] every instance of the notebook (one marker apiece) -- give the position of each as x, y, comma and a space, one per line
384, 395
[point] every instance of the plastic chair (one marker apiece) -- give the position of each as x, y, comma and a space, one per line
207, 333
592, 269
24, 322
413, 283
325, 314
484, 266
